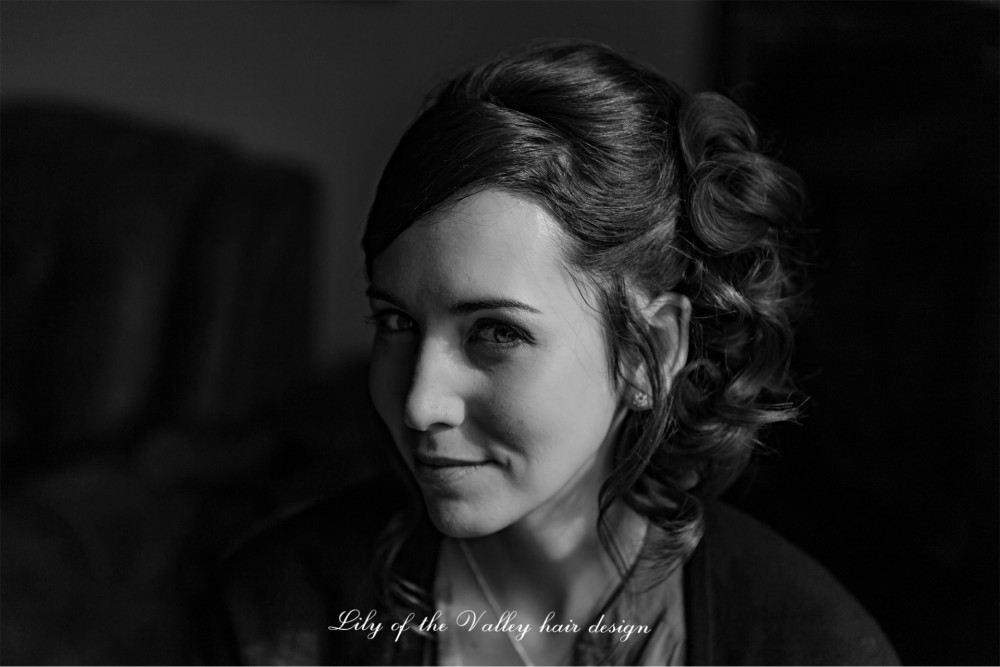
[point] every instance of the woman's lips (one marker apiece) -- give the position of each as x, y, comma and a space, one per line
441, 470
444, 461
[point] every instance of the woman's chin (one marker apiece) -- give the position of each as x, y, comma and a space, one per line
459, 520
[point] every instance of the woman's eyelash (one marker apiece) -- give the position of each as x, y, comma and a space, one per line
389, 321
515, 334
487, 332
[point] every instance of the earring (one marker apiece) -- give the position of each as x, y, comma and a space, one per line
641, 401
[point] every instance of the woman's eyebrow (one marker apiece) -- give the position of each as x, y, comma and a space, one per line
459, 307
491, 303
373, 292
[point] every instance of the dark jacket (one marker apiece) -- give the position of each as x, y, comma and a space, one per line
749, 596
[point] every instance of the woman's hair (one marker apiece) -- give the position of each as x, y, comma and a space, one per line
655, 190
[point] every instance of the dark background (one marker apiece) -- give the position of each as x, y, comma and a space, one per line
889, 112
183, 190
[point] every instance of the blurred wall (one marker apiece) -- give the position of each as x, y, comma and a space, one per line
328, 84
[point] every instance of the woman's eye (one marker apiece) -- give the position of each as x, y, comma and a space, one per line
391, 322
498, 333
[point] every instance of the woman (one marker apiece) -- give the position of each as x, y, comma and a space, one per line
583, 291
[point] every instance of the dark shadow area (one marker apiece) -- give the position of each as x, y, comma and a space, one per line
156, 302
889, 111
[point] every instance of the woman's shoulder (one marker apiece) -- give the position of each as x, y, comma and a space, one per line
754, 598
281, 583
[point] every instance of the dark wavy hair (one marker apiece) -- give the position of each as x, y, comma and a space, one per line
655, 189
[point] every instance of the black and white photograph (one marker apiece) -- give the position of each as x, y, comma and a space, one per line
499, 332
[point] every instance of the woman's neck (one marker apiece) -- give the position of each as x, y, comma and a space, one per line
563, 569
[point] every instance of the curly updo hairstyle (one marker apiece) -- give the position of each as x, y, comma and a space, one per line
655, 189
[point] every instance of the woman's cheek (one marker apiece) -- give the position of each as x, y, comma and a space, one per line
519, 418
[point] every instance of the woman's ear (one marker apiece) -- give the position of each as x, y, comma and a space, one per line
669, 319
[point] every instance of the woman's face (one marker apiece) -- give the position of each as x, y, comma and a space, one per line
489, 367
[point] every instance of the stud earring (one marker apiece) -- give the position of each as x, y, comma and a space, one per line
641, 401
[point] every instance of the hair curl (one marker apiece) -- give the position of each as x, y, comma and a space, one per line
656, 190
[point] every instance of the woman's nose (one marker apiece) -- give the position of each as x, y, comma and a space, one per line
434, 397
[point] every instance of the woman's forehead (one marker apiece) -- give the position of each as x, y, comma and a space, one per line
489, 241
